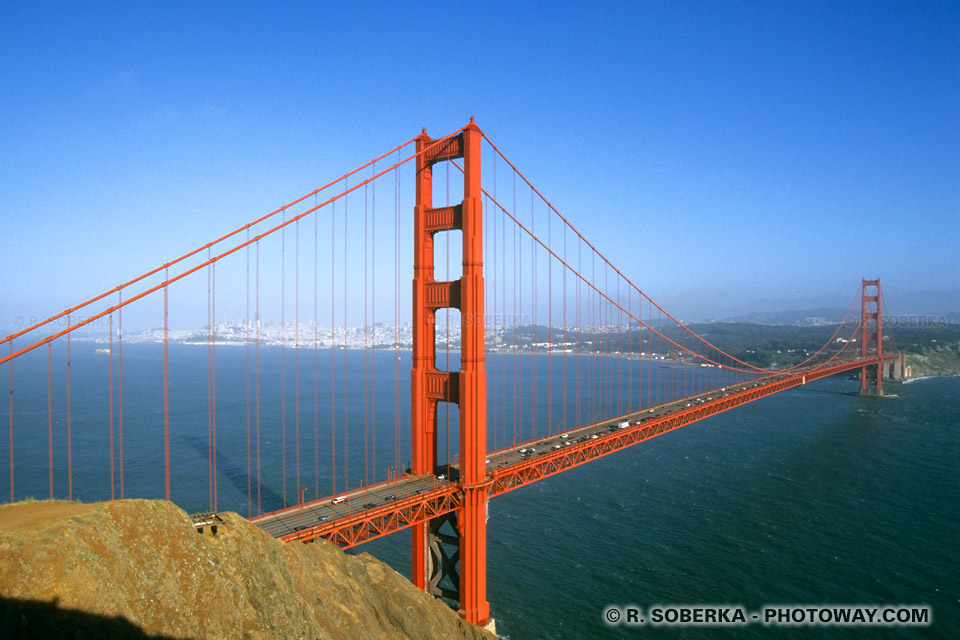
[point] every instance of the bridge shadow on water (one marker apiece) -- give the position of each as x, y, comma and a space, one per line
235, 474
22, 619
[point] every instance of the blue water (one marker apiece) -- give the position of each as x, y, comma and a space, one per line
811, 496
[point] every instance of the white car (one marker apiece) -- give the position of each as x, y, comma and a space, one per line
339, 500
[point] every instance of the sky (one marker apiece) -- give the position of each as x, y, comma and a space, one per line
728, 157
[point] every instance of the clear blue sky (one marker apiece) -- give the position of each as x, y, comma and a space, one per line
729, 156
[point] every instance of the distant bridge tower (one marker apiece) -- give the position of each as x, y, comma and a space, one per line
871, 337
459, 552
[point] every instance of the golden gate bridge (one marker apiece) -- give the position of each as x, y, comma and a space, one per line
540, 352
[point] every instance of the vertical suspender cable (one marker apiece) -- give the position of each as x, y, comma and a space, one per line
493, 225
346, 442
629, 390
366, 401
333, 348
110, 398
549, 326
246, 346
166, 392
10, 410
592, 312
373, 319
698, 372
534, 427
296, 350
640, 351
396, 315
608, 348
120, 385
213, 379
50, 414
659, 355
651, 362
564, 275
316, 368
516, 319
591, 391
209, 387
488, 326
602, 388
579, 387
619, 313
256, 317
668, 382
283, 359
69, 424
671, 372
496, 352
606, 388
503, 310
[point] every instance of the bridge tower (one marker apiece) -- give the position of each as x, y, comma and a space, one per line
459, 553
871, 337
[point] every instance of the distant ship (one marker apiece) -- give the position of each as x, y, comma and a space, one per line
105, 352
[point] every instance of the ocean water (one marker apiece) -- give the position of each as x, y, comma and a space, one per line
813, 496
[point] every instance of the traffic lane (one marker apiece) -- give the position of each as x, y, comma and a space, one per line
361, 500
309, 516
296, 519
355, 502
578, 435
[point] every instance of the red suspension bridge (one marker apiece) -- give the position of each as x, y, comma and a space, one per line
519, 332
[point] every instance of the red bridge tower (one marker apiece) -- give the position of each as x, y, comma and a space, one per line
459, 552
871, 337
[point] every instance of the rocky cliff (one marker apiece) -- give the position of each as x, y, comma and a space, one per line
936, 360
138, 568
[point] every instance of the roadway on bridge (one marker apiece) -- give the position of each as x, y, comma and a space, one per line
332, 508
329, 510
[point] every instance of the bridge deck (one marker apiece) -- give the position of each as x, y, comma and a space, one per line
356, 516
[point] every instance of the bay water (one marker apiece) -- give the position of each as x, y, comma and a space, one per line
812, 496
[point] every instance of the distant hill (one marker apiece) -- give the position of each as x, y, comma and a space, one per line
803, 318
826, 315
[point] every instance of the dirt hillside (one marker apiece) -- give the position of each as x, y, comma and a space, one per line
137, 568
